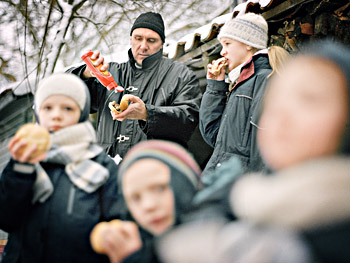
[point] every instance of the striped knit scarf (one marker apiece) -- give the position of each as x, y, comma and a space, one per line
73, 147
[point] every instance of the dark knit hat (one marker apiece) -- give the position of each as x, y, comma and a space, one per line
150, 20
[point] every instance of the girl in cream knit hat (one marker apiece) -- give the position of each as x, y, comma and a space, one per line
230, 109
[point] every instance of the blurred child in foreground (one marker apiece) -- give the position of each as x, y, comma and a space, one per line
158, 180
49, 204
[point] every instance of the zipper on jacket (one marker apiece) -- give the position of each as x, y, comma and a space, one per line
70, 200
163, 93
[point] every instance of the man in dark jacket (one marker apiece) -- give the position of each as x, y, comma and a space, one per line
164, 94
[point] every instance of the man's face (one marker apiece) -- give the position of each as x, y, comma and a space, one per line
144, 42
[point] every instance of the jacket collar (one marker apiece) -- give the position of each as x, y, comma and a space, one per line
148, 62
251, 65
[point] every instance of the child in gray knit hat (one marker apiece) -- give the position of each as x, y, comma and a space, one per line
49, 204
230, 107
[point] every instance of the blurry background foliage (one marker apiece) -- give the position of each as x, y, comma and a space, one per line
40, 37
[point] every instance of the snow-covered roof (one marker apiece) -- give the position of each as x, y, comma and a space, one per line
209, 31
20, 88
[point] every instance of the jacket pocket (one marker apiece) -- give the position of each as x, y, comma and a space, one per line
244, 105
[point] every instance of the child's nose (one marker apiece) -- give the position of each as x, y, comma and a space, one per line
56, 113
149, 202
223, 52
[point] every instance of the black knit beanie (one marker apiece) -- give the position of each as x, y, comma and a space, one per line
150, 20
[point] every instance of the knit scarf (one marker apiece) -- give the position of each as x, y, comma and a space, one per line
73, 147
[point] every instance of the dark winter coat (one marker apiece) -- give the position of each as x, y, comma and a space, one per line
170, 92
228, 123
57, 230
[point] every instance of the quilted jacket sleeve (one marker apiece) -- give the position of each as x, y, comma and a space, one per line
212, 107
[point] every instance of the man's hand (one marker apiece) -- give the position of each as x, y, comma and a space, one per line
97, 61
135, 111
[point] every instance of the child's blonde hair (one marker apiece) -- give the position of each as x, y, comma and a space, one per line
278, 57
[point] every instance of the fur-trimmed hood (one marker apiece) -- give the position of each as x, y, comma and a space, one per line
313, 194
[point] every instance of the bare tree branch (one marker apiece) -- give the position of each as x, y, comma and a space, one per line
49, 35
